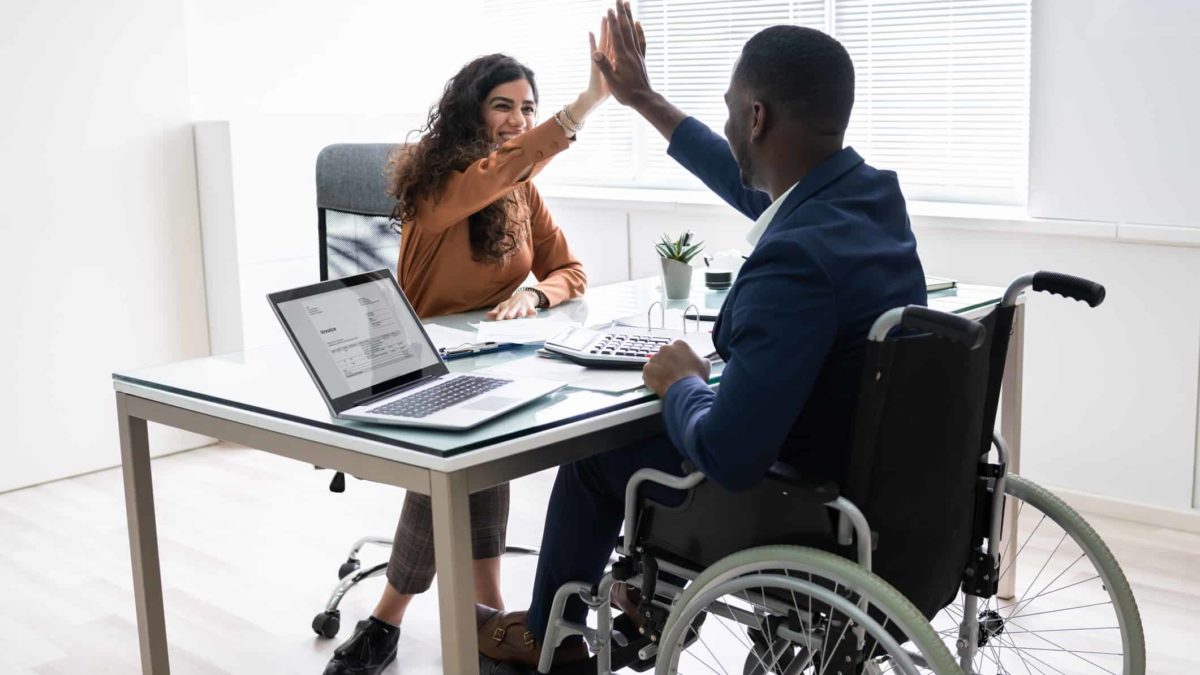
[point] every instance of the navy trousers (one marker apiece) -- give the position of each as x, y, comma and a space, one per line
583, 521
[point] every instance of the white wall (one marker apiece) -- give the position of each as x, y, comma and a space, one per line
1114, 138
258, 201
98, 224
282, 80
1115, 104
312, 57
1110, 393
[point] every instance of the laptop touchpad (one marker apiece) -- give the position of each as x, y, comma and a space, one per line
491, 403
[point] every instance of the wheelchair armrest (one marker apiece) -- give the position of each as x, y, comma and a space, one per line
817, 491
653, 476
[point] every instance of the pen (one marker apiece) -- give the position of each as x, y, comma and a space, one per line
475, 349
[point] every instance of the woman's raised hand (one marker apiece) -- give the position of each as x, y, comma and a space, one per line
624, 65
597, 88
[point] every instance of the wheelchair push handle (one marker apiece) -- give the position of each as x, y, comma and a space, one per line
1066, 285
1076, 288
914, 317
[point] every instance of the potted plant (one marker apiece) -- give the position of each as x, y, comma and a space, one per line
676, 256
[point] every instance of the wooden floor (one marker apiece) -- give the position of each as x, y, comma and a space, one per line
251, 544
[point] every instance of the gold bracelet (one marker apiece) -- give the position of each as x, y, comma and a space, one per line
570, 133
567, 113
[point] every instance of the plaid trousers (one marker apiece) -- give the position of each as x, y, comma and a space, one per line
411, 567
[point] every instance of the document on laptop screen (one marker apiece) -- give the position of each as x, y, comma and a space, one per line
359, 336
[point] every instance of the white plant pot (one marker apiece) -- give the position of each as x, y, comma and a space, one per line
677, 279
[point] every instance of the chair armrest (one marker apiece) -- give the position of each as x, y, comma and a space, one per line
818, 491
652, 476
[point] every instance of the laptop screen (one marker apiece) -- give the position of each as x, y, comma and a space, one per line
358, 336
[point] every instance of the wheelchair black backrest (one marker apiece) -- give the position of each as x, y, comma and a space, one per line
913, 462
999, 325
354, 226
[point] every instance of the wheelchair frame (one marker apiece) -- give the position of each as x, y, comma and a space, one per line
980, 579
852, 528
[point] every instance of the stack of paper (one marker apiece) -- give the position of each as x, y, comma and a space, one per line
522, 331
448, 338
933, 284
574, 375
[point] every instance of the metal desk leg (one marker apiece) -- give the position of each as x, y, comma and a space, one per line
143, 540
455, 575
1010, 429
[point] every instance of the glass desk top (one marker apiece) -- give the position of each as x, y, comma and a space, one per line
272, 381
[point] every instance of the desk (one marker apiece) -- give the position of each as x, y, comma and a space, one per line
264, 399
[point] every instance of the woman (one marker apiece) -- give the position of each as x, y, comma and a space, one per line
474, 228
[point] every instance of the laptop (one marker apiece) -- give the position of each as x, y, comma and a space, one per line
372, 361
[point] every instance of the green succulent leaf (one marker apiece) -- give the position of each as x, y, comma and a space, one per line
681, 248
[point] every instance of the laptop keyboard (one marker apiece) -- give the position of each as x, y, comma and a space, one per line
440, 397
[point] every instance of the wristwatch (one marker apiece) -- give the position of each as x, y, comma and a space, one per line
542, 301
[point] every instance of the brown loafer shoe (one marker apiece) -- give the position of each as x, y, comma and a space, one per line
504, 637
626, 599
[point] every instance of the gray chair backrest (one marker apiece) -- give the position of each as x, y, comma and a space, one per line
354, 226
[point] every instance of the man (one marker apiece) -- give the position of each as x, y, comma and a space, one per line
832, 251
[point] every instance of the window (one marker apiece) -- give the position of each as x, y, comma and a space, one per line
550, 36
942, 85
942, 94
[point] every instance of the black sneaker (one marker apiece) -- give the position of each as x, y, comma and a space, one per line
368, 651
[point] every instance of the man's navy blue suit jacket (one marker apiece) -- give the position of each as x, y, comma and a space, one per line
838, 253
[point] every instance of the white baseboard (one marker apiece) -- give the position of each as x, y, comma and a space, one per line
1155, 516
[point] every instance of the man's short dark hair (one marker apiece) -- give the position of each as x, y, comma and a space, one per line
803, 70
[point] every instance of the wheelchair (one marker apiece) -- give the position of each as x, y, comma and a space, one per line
896, 566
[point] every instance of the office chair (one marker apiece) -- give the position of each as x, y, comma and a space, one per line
356, 233
355, 230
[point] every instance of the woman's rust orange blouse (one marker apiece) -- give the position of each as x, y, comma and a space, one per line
437, 269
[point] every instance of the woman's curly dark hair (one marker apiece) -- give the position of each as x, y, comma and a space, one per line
452, 139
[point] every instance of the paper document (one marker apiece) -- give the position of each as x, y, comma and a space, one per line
447, 338
612, 381
360, 348
356, 337
933, 284
555, 370
522, 331
574, 375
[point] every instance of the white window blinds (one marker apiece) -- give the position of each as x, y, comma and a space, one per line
692, 46
551, 37
942, 85
942, 94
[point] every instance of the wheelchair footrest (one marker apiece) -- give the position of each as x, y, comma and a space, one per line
627, 656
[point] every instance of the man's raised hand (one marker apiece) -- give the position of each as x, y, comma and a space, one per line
624, 66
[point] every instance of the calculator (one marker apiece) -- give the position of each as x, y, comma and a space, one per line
608, 348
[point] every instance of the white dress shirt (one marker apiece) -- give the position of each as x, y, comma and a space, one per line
767, 216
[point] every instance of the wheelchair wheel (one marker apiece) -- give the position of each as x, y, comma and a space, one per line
795, 610
1073, 610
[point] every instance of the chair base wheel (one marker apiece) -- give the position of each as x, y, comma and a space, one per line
327, 624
